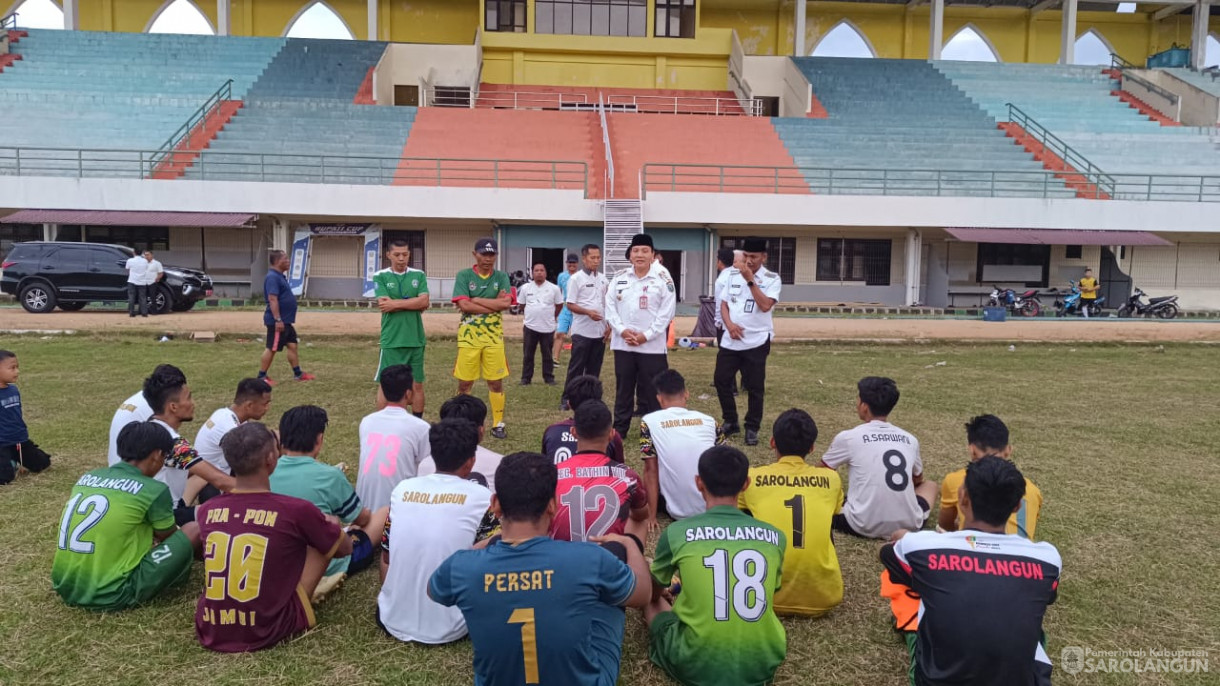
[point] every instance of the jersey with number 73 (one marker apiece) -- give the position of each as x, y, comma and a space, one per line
730, 565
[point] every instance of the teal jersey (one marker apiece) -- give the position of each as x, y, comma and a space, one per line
403, 328
539, 612
105, 530
730, 565
323, 485
480, 330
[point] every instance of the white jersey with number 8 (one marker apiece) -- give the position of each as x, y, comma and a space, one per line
882, 461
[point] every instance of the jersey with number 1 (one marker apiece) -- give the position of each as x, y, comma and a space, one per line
882, 460
596, 495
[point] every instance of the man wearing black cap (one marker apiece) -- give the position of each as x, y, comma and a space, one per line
571, 264
745, 307
639, 307
482, 294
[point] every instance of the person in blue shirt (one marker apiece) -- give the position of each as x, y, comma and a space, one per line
280, 318
17, 452
541, 611
571, 264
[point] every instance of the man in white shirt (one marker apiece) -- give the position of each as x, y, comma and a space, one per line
586, 300
543, 301
886, 490
137, 289
671, 441
431, 517
392, 440
486, 461
639, 307
250, 403
135, 409
746, 299
726, 259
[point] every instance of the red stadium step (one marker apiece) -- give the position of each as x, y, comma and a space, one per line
1144, 108
199, 138
816, 109
364, 96
1071, 176
7, 60
15, 35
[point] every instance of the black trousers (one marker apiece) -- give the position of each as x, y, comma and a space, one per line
534, 340
753, 367
137, 294
587, 357
26, 454
633, 374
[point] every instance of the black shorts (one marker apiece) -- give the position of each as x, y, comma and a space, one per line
839, 522
277, 340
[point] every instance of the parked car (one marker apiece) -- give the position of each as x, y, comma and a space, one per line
45, 274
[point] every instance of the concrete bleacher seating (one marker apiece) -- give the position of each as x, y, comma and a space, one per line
1208, 82
656, 101
903, 117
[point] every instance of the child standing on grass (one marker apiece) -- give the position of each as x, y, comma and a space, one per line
17, 452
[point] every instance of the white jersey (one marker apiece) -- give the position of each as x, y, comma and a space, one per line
587, 290
207, 441
642, 304
540, 303
744, 312
485, 464
882, 459
170, 475
431, 517
392, 444
676, 437
722, 280
133, 409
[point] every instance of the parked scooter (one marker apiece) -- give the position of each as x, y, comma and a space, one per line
1071, 303
1164, 307
1026, 304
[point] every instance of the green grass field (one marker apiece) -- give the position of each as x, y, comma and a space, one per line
1121, 439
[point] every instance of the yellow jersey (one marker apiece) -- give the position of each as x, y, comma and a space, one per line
1090, 284
1023, 522
799, 499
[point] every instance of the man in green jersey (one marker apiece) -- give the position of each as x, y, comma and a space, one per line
721, 629
118, 546
402, 296
481, 293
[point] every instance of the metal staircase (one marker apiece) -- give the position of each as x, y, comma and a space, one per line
622, 219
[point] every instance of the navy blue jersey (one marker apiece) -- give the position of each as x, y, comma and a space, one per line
277, 284
12, 425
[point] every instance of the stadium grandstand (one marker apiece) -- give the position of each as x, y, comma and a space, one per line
896, 153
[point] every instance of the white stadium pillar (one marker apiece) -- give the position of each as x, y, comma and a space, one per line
1198, 34
71, 15
936, 32
914, 267
1067, 41
798, 35
373, 35
223, 22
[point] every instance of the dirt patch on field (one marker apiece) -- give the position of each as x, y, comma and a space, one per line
787, 328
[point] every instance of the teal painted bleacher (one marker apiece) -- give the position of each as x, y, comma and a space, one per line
1208, 82
905, 117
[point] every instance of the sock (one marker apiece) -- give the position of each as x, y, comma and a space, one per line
296, 371
262, 375
497, 407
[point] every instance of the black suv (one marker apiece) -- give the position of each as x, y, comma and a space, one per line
71, 275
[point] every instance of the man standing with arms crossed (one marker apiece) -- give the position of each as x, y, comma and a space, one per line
402, 296
746, 299
586, 299
279, 318
572, 263
482, 294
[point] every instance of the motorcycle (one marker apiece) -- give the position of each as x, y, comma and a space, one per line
1071, 303
1164, 307
1026, 304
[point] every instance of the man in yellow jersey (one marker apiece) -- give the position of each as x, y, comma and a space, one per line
1089, 286
987, 435
482, 295
799, 499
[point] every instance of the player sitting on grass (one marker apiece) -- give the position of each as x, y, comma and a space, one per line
135, 409
886, 490
558, 441
299, 474
983, 592
542, 611
263, 553
431, 517
671, 441
118, 545
17, 452
987, 435
722, 628
486, 461
596, 494
250, 404
799, 499
392, 440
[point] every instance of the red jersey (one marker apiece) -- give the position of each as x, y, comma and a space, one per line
253, 554
596, 495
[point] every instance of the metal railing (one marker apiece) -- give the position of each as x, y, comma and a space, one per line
1056, 145
530, 100
1117, 62
1174, 101
209, 165
923, 182
225, 92
677, 104
609, 175
9, 22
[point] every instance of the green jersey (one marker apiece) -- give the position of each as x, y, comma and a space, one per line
730, 566
105, 531
480, 330
403, 328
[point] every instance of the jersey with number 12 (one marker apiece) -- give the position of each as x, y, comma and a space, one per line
596, 495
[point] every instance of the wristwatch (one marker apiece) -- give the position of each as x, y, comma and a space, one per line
749, 284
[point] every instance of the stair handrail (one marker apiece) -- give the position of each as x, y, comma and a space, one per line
1058, 146
9, 22
609, 174
1174, 99
225, 92
1117, 62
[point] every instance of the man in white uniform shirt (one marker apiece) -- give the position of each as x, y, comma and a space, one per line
746, 299
137, 289
250, 403
431, 517
543, 301
135, 409
639, 307
486, 461
886, 490
671, 441
586, 300
393, 442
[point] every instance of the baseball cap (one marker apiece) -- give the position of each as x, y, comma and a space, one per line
486, 246
572, 258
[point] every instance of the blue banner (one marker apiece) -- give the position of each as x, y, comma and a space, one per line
372, 259
300, 258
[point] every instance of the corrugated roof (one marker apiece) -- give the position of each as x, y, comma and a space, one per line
1056, 236
118, 218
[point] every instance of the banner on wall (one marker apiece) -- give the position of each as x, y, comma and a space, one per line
299, 262
370, 257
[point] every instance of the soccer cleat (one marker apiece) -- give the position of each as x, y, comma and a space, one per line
498, 431
751, 437
306, 377
556, 360
270, 381
327, 585
730, 429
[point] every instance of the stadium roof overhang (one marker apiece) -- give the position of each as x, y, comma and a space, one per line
120, 218
1055, 236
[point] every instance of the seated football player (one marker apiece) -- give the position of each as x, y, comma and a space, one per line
988, 435
558, 441
486, 461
